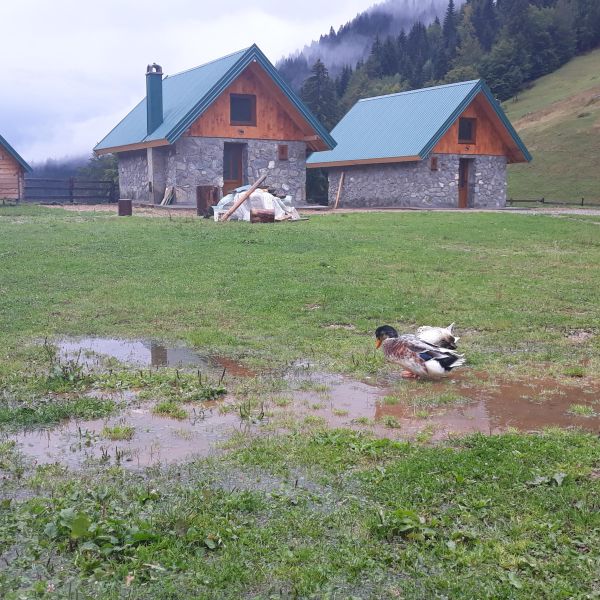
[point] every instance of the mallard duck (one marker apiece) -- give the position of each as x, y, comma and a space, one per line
419, 358
438, 336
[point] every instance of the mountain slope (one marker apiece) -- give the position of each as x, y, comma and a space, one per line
559, 121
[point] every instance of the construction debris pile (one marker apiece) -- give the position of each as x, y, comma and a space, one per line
257, 205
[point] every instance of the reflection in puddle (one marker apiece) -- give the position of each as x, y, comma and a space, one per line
147, 353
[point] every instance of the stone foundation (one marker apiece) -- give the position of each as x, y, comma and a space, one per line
415, 185
194, 161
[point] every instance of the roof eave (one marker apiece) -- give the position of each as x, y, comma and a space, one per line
480, 86
252, 54
15, 155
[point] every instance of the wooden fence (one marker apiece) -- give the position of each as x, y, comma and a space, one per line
83, 191
575, 202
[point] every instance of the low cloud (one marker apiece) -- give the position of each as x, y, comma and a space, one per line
78, 68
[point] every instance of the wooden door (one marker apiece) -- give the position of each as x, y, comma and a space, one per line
232, 167
463, 183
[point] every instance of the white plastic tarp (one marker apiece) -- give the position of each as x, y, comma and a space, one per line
259, 199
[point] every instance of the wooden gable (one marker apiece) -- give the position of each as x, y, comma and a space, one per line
11, 176
276, 117
491, 136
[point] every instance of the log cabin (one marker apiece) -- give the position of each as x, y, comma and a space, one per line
12, 172
440, 147
211, 129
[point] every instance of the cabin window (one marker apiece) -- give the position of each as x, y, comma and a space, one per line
282, 152
433, 163
466, 131
243, 109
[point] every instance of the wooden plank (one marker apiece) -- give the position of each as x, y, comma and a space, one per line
131, 147
339, 191
243, 198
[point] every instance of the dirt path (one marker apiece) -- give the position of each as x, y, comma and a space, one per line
185, 212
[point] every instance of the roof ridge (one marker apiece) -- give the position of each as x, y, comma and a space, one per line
416, 91
210, 62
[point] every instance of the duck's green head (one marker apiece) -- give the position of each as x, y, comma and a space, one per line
384, 332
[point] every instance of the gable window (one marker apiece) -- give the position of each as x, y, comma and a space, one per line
466, 130
242, 109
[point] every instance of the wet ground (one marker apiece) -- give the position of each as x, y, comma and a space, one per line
145, 353
399, 409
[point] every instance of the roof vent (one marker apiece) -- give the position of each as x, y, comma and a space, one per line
154, 97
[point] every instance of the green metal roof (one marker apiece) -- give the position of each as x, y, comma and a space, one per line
14, 154
405, 124
187, 95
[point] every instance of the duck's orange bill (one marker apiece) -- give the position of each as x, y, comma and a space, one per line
377, 343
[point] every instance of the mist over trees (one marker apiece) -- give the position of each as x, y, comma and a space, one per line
93, 168
399, 45
507, 42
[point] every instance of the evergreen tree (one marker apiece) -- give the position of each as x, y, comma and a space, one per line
469, 51
389, 58
437, 65
484, 17
342, 81
374, 64
318, 92
417, 50
450, 29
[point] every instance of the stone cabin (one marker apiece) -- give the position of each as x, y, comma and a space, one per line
440, 147
12, 172
211, 129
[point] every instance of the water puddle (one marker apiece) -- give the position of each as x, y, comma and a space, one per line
146, 353
407, 410
494, 408
157, 440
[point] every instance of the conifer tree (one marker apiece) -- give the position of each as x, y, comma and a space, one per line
318, 92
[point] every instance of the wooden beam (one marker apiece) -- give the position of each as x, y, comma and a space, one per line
339, 192
366, 161
243, 198
131, 147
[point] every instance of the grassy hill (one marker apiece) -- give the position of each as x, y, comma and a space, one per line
559, 121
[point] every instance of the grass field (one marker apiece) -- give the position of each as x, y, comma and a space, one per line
314, 513
558, 118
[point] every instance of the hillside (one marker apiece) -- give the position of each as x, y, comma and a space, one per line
559, 120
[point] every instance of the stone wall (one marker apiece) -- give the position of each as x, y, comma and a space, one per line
195, 161
415, 185
199, 161
133, 175
489, 185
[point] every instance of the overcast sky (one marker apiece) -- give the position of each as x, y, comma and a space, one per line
73, 68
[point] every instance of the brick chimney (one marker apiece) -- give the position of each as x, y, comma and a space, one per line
154, 97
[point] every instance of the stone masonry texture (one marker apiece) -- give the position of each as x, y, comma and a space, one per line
415, 185
194, 161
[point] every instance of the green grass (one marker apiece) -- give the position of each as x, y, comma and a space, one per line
559, 121
488, 517
118, 432
244, 290
169, 408
319, 513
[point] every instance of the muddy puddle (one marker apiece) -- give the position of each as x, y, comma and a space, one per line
145, 353
157, 440
403, 410
494, 408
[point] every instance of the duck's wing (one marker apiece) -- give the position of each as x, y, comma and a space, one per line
424, 349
